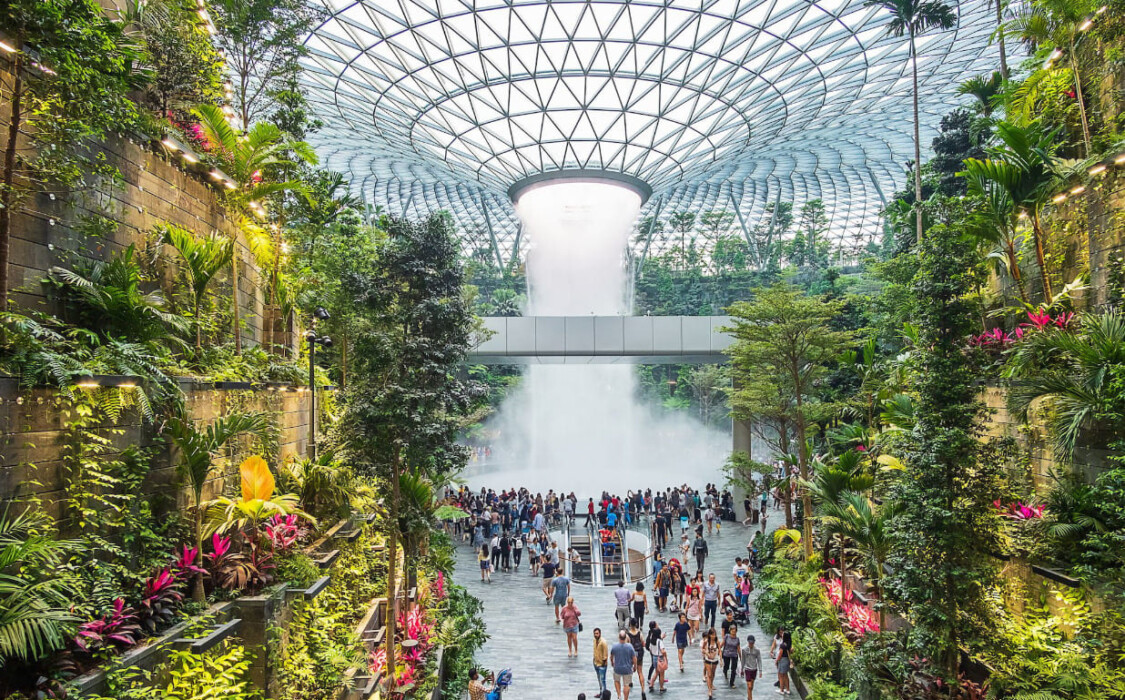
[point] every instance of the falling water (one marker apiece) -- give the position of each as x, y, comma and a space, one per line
579, 426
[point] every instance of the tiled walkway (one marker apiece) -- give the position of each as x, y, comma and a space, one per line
525, 638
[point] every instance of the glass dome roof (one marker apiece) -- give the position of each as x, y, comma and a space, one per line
716, 105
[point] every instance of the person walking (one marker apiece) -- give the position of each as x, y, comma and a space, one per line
676, 585
658, 656
517, 550
570, 615
732, 649
711, 650
637, 639
560, 587
751, 665
694, 611
506, 551
494, 544
680, 634
601, 658
640, 604
548, 570
699, 549
622, 595
484, 559
624, 659
783, 663
591, 520
710, 600
662, 585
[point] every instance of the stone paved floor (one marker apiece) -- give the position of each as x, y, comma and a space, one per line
525, 638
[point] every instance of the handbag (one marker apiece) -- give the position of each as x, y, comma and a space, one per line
662, 662
580, 628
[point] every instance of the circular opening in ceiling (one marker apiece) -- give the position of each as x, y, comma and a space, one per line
520, 187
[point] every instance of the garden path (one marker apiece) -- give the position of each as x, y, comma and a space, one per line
524, 637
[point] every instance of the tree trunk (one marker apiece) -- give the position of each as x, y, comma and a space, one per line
1081, 100
198, 329
236, 313
1003, 49
6, 194
392, 569
1037, 230
198, 594
803, 469
1014, 265
917, 144
787, 495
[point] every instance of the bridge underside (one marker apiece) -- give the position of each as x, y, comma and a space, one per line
603, 340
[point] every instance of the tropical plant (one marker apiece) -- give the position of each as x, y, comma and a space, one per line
1078, 374
784, 343
118, 629
197, 450
252, 160
912, 18
856, 518
204, 259
325, 485
1060, 25
108, 298
258, 503
1024, 168
1003, 216
34, 594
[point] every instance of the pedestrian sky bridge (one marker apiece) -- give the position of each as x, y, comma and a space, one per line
603, 339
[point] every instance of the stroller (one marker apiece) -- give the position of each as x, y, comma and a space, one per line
503, 680
730, 604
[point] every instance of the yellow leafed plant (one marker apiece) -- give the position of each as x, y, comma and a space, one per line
257, 480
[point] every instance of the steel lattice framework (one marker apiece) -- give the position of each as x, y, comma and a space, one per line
717, 104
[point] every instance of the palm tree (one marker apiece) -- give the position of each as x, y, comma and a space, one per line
912, 18
868, 527
1068, 370
203, 258
1061, 24
1024, 166
34, 605
197, 450
1003, 220
249, 159
828, 489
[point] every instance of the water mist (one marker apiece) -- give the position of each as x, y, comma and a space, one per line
580, 427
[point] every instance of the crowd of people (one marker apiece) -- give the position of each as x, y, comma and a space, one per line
502, 525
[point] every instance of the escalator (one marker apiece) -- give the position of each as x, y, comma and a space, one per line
582, 571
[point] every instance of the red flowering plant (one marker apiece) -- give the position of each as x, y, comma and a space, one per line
1017, 510
856, 616
416, 628
997, 339
117, 629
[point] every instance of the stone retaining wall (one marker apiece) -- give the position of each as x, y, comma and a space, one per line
34, 435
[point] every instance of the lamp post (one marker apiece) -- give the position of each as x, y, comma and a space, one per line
313, 339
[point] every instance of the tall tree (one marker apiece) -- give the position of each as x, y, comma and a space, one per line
262, 40
912, 18
1024, 167
66, 80
403, 402
947, 524
786, 339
